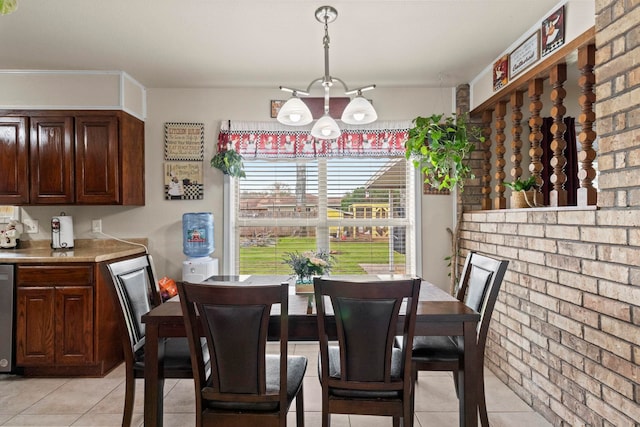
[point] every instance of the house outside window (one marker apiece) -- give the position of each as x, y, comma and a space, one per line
358, 209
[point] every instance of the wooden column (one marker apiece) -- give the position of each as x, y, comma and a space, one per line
535, 122
587, 195
557, 77
499, 202
516, 132
487, 118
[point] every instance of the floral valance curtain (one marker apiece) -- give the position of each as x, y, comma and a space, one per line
273, 140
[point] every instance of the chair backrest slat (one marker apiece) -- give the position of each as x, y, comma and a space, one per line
479, 287
235, 321
367, 316
136, 291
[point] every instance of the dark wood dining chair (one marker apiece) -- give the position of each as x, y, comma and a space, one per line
135, 292
364, 373
478, 287
243, 385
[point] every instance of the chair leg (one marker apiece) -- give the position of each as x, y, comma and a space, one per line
396, 421
326, 416
129, 395
412, 405
482, 402
455, 382
300, 408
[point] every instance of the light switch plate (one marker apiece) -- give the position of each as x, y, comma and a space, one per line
30, 226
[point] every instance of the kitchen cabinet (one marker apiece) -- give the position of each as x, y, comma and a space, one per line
72, 157
14, 161
51, 160
65, 321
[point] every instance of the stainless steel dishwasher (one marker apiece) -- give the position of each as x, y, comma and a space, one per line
7, 303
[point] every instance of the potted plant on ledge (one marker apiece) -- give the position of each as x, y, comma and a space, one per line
525, 193
439, 147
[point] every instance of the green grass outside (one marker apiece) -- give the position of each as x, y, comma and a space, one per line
347, 256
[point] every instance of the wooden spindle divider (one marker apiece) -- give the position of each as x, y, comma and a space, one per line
587, 194
516, 132
557, 77
535, 123
487, 118
499, 202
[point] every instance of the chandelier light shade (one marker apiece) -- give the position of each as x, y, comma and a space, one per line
296, 113
359, 112
325, 128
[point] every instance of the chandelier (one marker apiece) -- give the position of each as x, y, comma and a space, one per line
296, 113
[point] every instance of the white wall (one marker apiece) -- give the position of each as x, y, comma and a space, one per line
160, 220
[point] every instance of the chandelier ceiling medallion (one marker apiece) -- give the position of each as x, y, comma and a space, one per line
296, 113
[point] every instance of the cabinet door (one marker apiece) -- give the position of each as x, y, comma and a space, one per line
35, 326
74, 325
14, 161
51, 160
97, 178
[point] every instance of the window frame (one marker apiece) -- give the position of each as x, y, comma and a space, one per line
412, 220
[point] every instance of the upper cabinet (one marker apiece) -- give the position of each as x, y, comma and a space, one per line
51, 160
67, 157
14, 161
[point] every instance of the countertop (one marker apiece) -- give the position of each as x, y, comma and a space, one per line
85, 250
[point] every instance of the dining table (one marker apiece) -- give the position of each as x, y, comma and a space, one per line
438, 313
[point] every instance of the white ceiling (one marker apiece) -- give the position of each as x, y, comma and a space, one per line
266, 43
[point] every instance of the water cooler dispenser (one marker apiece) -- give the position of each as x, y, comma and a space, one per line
197, 245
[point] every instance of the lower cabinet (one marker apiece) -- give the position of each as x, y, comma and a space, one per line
65, 321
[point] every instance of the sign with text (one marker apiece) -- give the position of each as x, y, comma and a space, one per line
183, 141
524, 55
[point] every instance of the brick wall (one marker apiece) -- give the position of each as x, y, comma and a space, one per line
566, 330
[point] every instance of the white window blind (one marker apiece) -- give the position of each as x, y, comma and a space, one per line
358, 209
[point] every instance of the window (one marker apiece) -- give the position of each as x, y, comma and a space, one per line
359, 209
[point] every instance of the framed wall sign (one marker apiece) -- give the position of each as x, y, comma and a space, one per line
276, 104
501, 73
553, 31
524, 55
183, 181
184, 141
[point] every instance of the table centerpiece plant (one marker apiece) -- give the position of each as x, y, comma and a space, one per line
308, 264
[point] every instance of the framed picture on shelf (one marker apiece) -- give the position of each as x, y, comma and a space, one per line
524, 55
501, 73
553, 31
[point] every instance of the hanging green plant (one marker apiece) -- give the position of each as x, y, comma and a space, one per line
230, 163
8, 6
439, 146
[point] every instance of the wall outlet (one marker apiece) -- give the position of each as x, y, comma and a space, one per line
96, 226
30, 226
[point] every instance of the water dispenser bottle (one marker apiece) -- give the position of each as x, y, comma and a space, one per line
197, 234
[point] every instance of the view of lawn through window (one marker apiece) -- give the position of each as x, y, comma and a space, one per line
348, 257
356, 209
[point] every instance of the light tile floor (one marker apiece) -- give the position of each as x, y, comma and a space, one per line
54, 402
